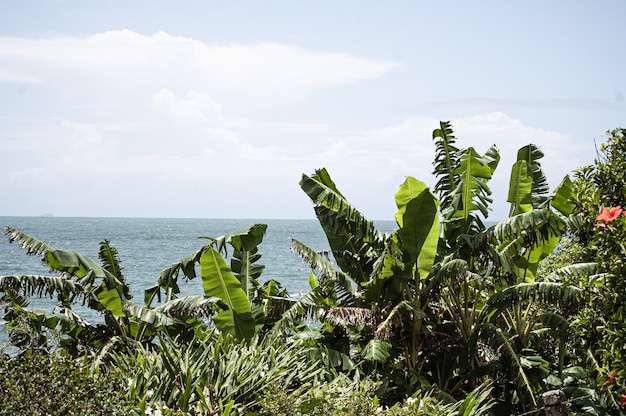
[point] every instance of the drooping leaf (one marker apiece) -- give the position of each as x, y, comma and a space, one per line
376, 350
355, 242
29, 285
152, 316
31, 244
319, 263
573, 271
551, 293
193, 305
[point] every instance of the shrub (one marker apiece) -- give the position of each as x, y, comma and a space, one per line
36, 383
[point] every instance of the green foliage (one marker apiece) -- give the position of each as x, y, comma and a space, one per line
41, 384
210, 372
103, 287
569, 251
442, 316
446, 305
218, 281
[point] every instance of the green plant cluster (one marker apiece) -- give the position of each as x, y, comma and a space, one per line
37, 383
445, 315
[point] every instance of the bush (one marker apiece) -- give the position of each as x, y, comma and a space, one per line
36, 383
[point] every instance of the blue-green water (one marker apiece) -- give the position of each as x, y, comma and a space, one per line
148, 245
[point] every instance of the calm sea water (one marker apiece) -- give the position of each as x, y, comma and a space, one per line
148, 245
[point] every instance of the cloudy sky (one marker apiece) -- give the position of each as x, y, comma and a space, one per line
210, 109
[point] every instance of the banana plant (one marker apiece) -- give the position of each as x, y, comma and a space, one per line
461, 186
431, 286
382, 279
103, 287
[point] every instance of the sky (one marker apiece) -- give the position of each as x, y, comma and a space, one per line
207, 109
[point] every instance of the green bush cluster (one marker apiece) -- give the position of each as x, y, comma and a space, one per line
37, 383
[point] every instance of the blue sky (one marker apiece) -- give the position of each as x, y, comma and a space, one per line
212, 109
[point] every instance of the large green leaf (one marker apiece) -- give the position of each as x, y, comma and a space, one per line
418, 222
376, 350
245, 243
471, 195
472, 192
109, 294
525, 239
550, 293
520, 188
218, 281
74, 263
111, 300
531, 154
562, 198
447, 159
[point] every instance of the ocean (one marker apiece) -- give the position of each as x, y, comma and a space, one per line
148, 245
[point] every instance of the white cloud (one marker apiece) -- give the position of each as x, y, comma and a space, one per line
7, 76
158, 119
193, 107
243, 77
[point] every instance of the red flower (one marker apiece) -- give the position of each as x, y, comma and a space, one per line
608, 214
623, 400
611, 379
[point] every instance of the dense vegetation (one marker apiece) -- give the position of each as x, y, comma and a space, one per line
442, 316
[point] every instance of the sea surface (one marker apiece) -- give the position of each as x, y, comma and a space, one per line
148, 245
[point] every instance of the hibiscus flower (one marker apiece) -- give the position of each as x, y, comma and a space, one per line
608, 214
